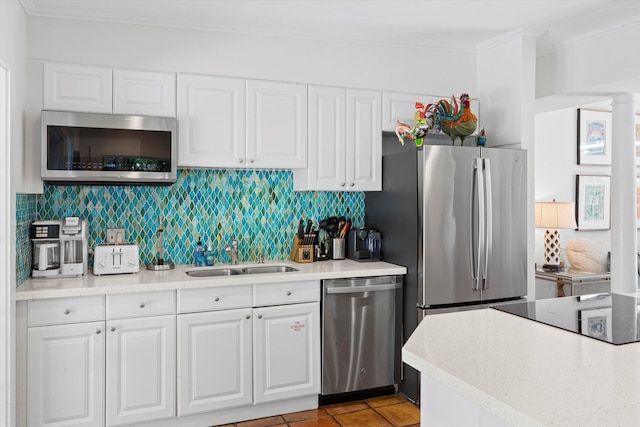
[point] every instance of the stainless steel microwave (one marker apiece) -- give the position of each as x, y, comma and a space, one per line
108, 149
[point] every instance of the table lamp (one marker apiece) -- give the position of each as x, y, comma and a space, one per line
552, 216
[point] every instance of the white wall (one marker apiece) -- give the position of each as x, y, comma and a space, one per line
13, 48
251, 56
606, 63
556, 170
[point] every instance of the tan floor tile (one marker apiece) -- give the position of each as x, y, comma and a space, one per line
366, 418
385, 400
305, 415
263, 422
343, 408
401, 415
319, 422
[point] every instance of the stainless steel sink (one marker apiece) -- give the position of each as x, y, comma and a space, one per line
259, 269
269, 269
214, 273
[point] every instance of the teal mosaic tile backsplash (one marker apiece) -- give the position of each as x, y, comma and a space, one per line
259, 208
26, 213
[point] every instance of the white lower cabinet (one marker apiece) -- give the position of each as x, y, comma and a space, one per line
66, 375
286, 351
141, 367
214, 360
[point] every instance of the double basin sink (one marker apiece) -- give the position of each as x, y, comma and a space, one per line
234, 271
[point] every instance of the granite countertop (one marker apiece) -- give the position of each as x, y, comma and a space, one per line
178, 279
528, 373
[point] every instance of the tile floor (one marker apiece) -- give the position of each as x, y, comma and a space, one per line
384, 411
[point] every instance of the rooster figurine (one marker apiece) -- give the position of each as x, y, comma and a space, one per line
454, 119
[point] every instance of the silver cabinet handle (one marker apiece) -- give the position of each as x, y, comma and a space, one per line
142, 305
98, 331
251, 160
259, 316
216, 299
240, 160
248, 316
288, 293
67, 311
342, 184
352, 184
113, 328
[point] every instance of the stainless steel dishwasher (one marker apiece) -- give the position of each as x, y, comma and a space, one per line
361, 335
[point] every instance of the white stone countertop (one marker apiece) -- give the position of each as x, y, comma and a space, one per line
528, 373
178, 279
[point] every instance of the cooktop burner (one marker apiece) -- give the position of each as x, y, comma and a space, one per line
612, 318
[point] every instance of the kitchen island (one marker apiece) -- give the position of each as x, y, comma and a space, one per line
490, 368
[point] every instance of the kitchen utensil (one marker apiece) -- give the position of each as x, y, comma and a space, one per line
301, 230
332, 229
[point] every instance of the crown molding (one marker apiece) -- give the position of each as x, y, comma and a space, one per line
507, 37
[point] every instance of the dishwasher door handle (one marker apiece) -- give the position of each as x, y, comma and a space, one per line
362, 289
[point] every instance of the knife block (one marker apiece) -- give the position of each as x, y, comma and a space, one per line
300, 253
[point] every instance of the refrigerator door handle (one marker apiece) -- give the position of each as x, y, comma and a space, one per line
479, 188
488, 222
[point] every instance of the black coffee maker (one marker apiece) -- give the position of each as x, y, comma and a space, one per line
364, 245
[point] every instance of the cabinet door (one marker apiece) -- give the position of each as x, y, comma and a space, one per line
69, 87
400, 106
287, 351
211, 114
276, 125
214, 360
144, 93
65, 372
141, 369
327, 137
364, 141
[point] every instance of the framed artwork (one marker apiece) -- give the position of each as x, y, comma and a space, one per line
593, 202
594, 137
596, 323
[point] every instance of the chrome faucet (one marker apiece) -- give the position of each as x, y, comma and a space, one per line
261, 259
232, 250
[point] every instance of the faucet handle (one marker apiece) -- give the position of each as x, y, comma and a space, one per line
261, 259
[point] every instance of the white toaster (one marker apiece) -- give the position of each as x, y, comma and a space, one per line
116, 259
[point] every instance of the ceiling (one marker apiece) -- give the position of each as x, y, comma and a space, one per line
456, 25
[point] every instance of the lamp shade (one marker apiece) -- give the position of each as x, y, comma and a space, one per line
556, 215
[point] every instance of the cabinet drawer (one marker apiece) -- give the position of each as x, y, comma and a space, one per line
65, 310
211, 299
141, 304
286, 293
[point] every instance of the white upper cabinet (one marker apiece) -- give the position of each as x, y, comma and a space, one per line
276, 125
364, 152
211, 117
144, 93
400, 106
70, 87
236, 123
345, 141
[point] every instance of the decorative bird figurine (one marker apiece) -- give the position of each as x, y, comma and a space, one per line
418, 131
454, 119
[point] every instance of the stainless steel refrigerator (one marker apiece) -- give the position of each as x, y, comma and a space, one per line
456, 218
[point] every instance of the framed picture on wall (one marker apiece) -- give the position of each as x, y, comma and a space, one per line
593, 202
594, 137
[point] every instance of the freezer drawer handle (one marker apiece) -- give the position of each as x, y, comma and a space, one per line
362, 289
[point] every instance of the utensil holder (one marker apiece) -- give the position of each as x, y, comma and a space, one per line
301, 253
338, 248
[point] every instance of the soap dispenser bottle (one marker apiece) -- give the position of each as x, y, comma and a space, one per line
208, 254
199, 255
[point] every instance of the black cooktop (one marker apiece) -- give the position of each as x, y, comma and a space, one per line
612, 318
